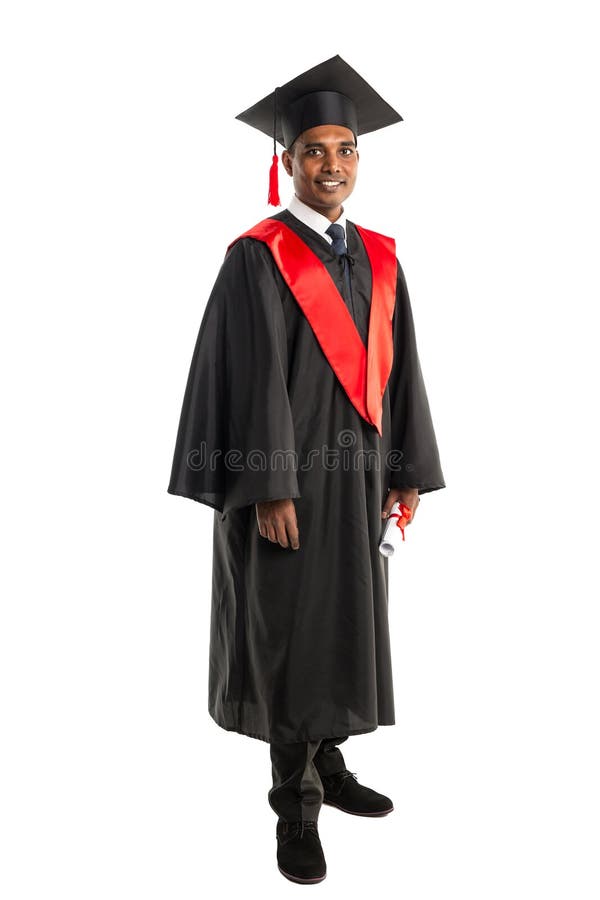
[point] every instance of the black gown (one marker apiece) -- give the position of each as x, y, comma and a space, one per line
299, 639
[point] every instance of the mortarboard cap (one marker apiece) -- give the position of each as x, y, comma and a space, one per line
331, 93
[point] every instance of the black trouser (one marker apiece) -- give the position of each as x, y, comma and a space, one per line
297, 791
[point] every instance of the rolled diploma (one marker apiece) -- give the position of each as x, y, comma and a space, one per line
392, 533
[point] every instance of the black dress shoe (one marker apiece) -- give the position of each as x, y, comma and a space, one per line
344, 791
299, 853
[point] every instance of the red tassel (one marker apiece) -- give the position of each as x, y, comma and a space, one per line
273, 198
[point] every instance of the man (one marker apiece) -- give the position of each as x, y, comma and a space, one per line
305, 418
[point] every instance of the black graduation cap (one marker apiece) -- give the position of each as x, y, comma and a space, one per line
331, 93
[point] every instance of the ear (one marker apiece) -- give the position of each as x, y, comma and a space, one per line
286, 159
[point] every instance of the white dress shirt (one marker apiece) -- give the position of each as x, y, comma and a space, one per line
314, 219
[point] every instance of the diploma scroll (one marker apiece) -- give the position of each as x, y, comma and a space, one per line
398, 517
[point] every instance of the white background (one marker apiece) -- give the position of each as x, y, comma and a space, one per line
124, 177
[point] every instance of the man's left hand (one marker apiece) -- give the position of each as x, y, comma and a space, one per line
410, 496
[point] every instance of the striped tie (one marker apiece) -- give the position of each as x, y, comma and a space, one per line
336, 233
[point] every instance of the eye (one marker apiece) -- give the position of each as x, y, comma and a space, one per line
349, 149
313, 150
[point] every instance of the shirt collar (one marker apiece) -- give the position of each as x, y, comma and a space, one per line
314, 219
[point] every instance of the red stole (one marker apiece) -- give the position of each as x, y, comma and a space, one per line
362, 373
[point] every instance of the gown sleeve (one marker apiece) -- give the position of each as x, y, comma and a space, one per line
235, 442
413, 438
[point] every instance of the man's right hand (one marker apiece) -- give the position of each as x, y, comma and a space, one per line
277, 522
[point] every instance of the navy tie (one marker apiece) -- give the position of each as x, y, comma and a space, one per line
336, 233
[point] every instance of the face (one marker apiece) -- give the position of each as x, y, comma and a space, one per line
324, 167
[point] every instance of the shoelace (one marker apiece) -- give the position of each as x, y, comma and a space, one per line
347, 774
308, 824
343, 775
335, 783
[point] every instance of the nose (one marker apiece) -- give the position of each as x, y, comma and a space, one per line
331, 161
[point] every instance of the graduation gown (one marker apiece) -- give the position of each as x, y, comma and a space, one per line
299, 639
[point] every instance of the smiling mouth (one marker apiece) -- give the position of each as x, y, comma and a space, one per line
330, 185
